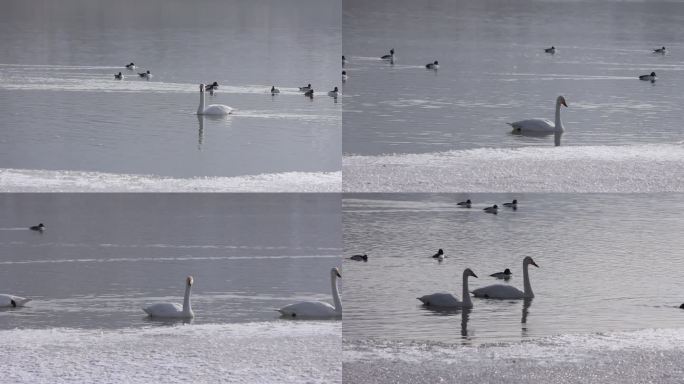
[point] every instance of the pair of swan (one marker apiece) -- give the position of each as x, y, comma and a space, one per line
317, 309
541, 126
213, 109
495, 291
304, 309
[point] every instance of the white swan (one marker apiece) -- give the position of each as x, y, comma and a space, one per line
11, 301
173, 310
506, 292
214, 109
317, 309
447, 300
541, 126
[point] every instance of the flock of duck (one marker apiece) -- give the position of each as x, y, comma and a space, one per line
300, 310
221, 109
532, 127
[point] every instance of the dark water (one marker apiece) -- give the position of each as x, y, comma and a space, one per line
63, 110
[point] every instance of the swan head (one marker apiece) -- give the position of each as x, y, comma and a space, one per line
507, 271
561, 101
335, 272
468, 272
189, 280
528, 260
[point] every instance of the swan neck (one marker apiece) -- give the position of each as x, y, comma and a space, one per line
526, 280
467, 303
335, 293
200, 109
186, 300
559, 124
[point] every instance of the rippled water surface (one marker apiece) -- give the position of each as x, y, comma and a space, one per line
63, 111
606, 263
103, 257
493, 70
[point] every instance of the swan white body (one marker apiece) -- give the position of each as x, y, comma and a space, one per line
541, 126
447, 300
173, 310
11, 301
214, 109
317, 309
507, 292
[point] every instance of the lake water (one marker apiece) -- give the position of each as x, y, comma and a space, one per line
411, 129
607, 287
103, 257
62, 109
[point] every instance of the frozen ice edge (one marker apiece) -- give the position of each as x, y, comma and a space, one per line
28, 180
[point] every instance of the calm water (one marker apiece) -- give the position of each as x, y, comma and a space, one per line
104, 257
493, 70
607, 290
62, 109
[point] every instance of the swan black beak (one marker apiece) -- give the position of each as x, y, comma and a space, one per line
563, 102
535, 264
338, 275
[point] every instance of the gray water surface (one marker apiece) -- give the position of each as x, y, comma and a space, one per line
104, 257
61, 109
607, 263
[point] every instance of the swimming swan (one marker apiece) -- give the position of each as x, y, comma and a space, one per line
447, 300
507, 292
317, 309
541, 126
214, 109
11, 301
173, 310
